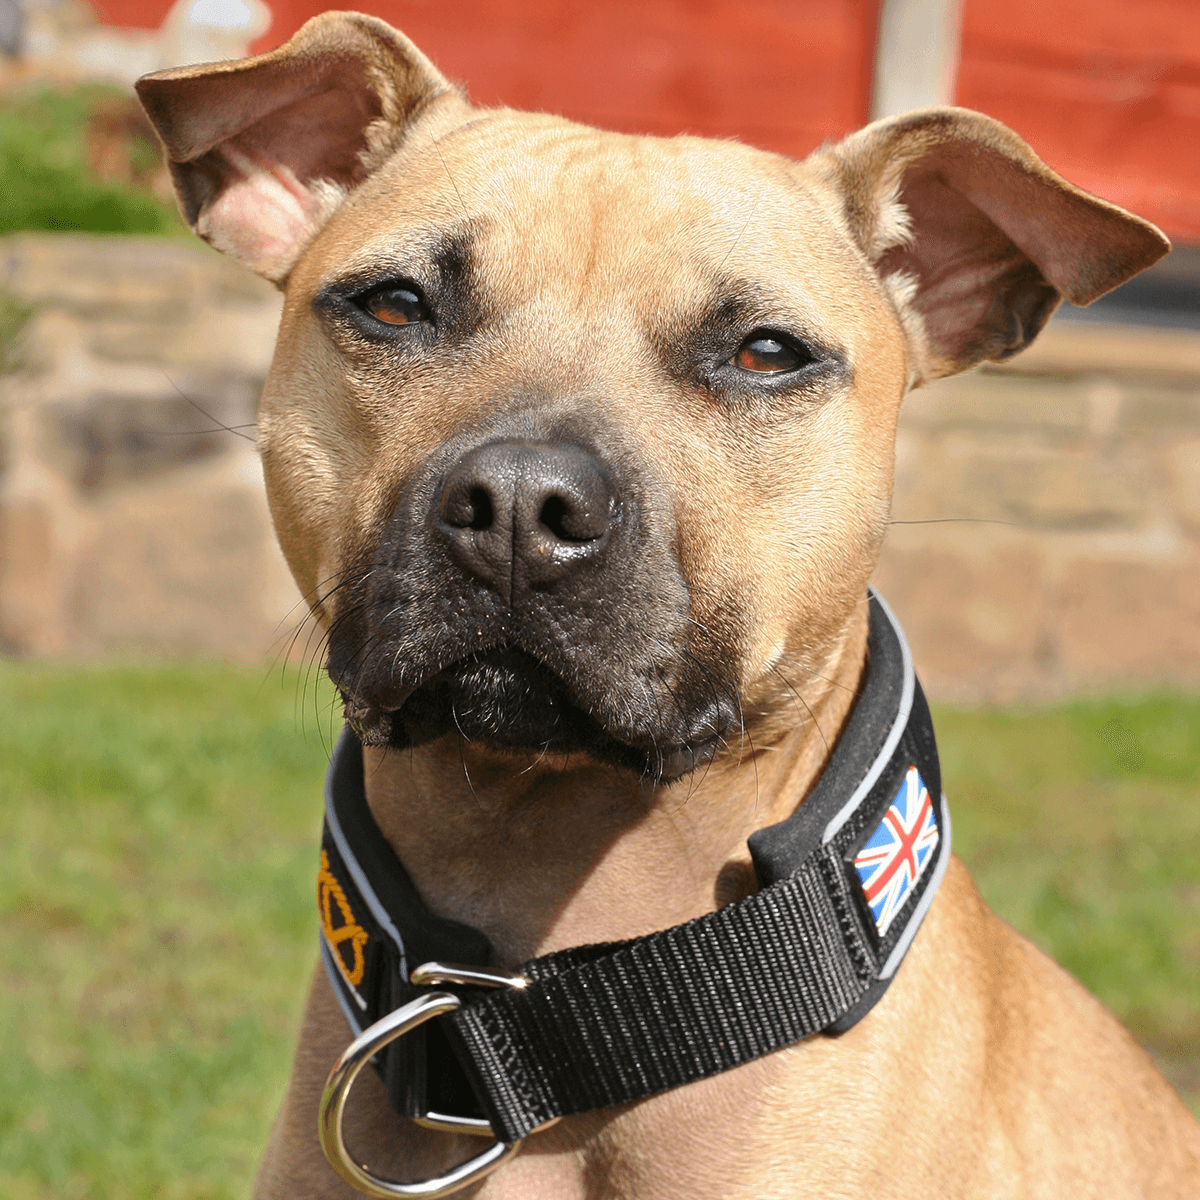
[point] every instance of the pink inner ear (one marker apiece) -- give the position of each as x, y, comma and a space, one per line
262, 205
1081, 244
980, 296
262, 214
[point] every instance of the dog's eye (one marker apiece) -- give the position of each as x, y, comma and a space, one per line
395, 305
768, 353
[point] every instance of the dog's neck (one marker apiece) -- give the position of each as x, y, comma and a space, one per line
541, 855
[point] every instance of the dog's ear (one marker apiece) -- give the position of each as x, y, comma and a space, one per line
975, 237
262, 150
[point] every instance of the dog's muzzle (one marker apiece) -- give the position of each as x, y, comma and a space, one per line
522, 595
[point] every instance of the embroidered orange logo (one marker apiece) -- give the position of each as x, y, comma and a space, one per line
330, 896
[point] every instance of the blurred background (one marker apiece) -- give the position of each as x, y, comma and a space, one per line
1065, 487
162, 721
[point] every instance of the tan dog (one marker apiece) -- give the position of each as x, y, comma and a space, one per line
704, 349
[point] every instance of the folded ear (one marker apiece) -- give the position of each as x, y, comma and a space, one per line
975, 237
262, 150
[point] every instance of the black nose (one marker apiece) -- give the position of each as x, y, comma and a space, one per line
524, 515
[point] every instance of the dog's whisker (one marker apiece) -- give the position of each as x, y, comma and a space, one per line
958, 521
741, 232
235, 430
309, 622
537, 761
442, 158
799, 699
754, 763
462, 758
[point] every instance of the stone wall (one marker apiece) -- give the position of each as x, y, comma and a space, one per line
1065, 491
130, 522
1047, 514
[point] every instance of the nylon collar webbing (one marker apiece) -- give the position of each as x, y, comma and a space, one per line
843, 887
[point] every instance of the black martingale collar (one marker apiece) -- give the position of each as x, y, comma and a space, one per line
844, 886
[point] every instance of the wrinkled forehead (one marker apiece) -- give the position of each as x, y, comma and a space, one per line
538, 204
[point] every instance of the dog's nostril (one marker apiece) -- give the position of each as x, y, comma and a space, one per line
482, 514
553, 516
466, 507
569, 522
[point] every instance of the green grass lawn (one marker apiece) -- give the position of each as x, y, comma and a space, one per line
156, 879
45, 180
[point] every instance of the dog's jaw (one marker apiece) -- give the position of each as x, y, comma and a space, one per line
506, 699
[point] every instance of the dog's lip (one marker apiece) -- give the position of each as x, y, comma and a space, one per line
673, 759
381, 702
676, 761
386, 702
390, 699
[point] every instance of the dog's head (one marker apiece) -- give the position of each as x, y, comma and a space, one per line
583, 441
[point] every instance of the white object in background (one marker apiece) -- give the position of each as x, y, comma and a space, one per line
916, 55
197, 31
68, 41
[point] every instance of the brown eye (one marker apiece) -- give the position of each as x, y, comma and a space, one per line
396, 306
766, 354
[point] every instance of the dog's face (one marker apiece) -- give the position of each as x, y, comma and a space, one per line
583, 442
525, 437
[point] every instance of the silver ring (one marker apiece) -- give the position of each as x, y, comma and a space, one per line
337, 1089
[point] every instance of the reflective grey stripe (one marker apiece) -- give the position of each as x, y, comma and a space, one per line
914, 922
885, 753
334, 982
356, 872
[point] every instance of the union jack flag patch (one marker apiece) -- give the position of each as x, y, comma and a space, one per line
897, 853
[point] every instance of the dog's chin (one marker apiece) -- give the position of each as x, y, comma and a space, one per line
506, 700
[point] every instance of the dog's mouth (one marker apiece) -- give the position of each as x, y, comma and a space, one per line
507, 699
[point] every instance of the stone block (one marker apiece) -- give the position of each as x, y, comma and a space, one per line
184, 564
974, 608
1066, 349
1184, 467
1066, 491
104, 437
130, 521
1008, 402
1121, 622
153, 278
144, 300
1022, 482
236, 338
31, 582
1161, 411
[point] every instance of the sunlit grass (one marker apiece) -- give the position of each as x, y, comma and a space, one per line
45, 181
159, 854
158, 864
1081, 826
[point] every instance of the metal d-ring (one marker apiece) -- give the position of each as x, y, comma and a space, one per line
434, 973
337, 1089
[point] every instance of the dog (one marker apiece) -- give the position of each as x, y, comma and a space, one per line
580, 446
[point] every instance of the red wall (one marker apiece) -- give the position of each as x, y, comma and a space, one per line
1106, 91
132, 14
780, 74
